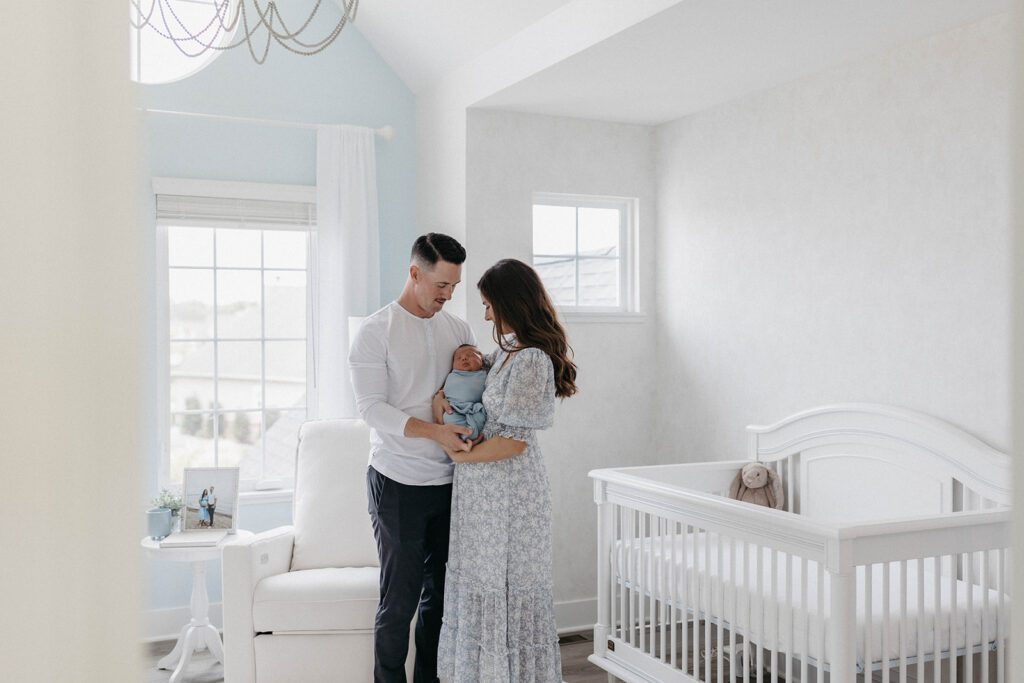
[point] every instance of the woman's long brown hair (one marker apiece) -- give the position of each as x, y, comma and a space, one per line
520, 304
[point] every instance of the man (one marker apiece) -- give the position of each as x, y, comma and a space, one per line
211, 505
398, 359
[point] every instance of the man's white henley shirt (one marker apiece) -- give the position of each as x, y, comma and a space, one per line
397, 362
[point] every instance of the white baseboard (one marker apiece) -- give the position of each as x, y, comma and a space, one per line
166, 624
575, 615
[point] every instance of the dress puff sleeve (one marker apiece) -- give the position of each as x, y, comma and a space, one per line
529, 402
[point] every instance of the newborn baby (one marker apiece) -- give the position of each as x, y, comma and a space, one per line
464, 389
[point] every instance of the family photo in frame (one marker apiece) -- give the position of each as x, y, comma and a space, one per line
210, 496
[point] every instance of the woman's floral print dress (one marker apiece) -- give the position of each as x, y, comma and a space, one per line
499, 621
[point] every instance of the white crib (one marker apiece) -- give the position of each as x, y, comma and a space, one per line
889, 563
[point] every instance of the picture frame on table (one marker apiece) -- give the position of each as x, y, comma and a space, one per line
210, 499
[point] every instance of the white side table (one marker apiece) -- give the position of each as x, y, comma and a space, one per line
198, 631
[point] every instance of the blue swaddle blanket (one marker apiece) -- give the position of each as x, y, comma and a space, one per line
464, 391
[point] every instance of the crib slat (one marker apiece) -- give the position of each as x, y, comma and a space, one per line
952, 618
655, 584
696, 602
687, 552
790, 645
733, 559
869, 629
748, 601
919, 563
698, 562
984, 615
615, 576
775, 612
709, 605
720, 573
666, 567
969, 623
759, 636
1004, 615
631, 560
885, 622
667, 605
821, 622
624, 569
652, 587
806, 613
903, 621
673, 591
641, 583
699, 597
654, 596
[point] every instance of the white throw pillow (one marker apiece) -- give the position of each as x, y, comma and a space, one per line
332, 525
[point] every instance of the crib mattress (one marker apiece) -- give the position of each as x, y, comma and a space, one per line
784, 627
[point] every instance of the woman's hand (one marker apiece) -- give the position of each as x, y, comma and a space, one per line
459, 456
439, 405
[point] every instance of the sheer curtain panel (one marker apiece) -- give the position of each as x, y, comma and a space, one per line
346, 280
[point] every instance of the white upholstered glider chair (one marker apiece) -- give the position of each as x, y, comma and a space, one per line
299, 601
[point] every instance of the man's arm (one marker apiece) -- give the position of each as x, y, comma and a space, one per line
446, 435
368, 368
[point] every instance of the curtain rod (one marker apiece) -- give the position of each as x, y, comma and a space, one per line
384, 132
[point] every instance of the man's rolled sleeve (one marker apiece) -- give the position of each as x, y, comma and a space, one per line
367, 362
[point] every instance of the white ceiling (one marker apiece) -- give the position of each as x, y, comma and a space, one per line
423, 41
699, 53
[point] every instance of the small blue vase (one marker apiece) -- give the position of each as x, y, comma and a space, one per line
159, 523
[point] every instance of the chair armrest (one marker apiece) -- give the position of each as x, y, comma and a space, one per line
244, 564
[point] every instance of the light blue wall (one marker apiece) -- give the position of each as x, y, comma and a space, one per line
349, 84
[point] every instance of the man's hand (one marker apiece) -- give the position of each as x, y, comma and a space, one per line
439, 405
448, 437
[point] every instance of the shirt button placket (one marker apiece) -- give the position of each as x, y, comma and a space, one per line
431, 348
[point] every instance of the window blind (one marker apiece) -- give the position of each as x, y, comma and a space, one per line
184, 209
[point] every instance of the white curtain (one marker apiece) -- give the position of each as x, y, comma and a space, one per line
346, 278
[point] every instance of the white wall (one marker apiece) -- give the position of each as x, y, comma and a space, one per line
842, 238
510, 156
441, 141
71, 288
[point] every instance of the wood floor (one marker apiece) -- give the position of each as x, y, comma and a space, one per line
205, 669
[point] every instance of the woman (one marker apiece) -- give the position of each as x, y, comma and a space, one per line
204, 509
499, 622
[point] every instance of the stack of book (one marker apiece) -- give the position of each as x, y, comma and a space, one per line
194, 539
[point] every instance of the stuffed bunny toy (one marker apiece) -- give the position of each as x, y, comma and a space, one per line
759, 485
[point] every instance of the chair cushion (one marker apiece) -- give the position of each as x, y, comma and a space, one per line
332, 525
340, 599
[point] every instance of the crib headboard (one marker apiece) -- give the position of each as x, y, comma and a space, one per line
862, 462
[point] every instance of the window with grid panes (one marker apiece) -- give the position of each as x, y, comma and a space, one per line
583, 251
238, 313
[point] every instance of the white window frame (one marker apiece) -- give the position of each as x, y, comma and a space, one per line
628, 309
263, 490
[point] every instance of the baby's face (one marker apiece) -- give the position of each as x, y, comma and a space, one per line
467, 359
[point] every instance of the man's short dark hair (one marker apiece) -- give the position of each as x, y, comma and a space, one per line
434, 247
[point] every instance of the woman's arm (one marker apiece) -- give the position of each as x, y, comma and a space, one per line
493, 449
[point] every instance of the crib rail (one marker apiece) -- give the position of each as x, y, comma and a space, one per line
696, 587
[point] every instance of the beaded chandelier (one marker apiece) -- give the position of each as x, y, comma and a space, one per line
260, 25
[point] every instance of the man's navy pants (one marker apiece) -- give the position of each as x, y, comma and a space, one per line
410, 524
